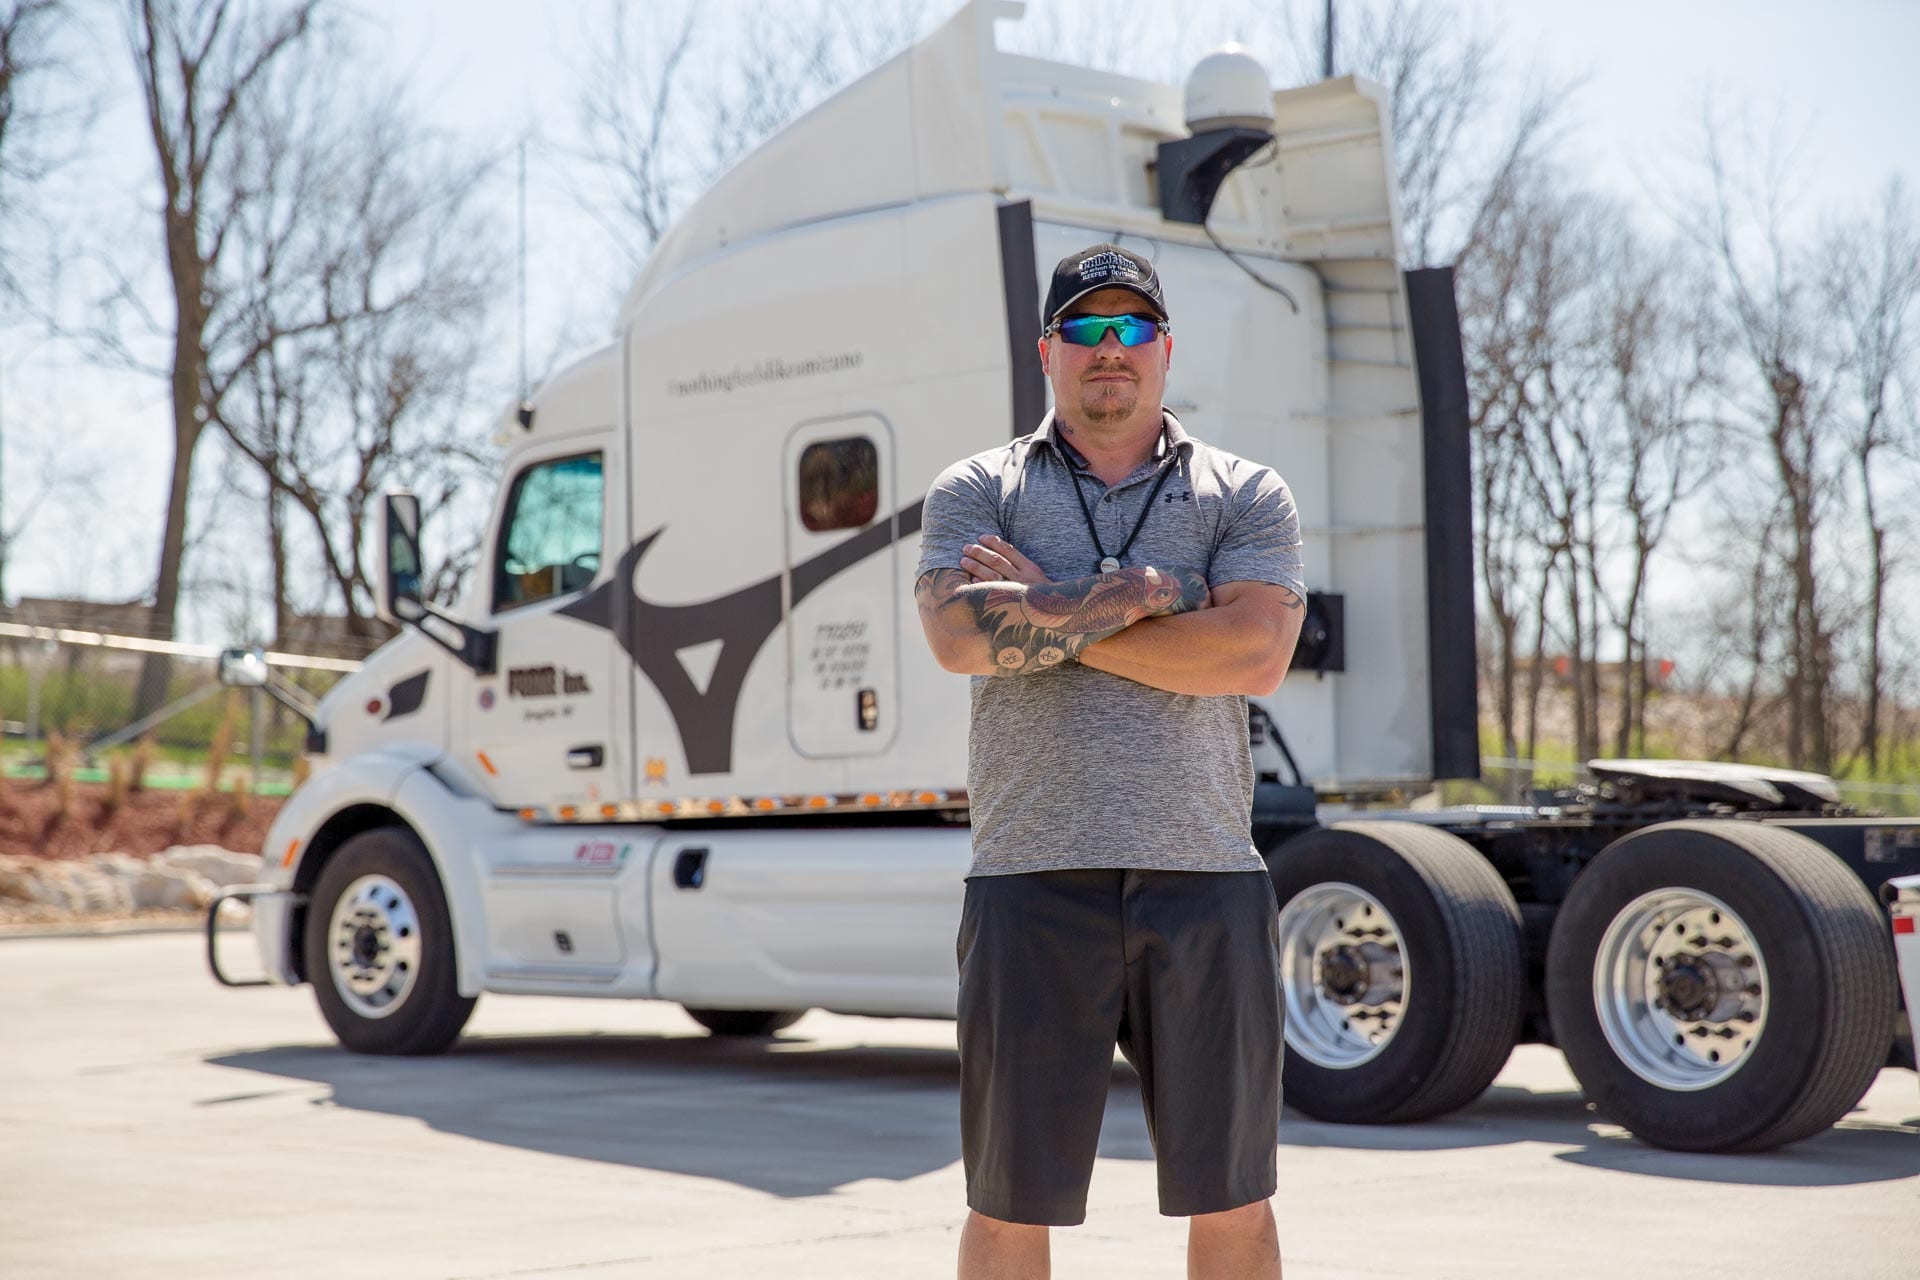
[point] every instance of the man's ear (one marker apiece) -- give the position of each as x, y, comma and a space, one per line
1169, 341
1045, 353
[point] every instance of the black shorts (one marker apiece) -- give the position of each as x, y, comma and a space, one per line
1178, 968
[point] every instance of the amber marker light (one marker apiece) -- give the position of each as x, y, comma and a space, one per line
870, 800
293, 847
818, 802
568, 813
528, 815
609, 810
765, 803
486, 764
927, 797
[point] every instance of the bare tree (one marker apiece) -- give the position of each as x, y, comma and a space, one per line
1559, 434
631, 108
1771, 303
1750, 620
1506, 523
31, 118
28, 59
366, 295
664, 75
54, 477
1874, 277
201, 66
1528, 316
1658, 351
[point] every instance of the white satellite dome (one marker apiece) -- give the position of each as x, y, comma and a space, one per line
1226, 88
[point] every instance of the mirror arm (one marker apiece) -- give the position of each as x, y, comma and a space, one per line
292, 697
476, 646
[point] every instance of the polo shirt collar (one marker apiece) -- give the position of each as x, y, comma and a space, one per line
1172, 436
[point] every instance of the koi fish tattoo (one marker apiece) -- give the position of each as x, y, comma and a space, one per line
1031, 628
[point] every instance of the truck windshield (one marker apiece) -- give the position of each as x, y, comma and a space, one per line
550, 540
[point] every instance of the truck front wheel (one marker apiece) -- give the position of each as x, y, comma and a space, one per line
1401, 971
1721, 986
745, 1022
379, 947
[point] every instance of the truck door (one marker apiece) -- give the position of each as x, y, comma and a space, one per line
842, 682
545, 730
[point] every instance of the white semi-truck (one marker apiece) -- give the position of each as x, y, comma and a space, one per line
682, 740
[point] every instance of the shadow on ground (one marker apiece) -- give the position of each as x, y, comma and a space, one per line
1851, 1152
778, 1115
791, 1118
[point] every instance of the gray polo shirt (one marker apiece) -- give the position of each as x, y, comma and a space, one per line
1070, 767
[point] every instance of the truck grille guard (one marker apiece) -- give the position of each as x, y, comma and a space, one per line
239, 893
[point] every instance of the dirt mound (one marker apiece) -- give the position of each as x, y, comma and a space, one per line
35, 821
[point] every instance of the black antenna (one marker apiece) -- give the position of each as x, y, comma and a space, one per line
1326, 50
523, 270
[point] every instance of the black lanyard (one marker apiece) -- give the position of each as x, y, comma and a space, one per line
1111, 563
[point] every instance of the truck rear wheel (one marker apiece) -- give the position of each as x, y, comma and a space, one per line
379, 947
745, 1022
1721, 986
1401, 971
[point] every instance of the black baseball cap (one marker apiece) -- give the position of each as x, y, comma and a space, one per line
1097, 267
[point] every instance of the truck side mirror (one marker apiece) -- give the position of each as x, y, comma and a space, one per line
243, 668
398, 596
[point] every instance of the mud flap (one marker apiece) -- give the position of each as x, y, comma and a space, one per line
1902, 896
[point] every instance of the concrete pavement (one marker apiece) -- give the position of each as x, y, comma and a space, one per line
155, 1125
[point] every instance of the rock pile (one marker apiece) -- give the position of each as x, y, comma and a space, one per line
107, 886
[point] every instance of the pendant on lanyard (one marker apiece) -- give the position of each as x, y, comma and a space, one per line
1111, 563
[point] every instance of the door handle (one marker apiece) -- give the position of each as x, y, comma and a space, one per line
590, 757
690, 868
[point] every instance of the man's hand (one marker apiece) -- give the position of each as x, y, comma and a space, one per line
997, 626
994, 559
1242, 645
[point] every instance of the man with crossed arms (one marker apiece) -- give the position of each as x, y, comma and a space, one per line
1117, 588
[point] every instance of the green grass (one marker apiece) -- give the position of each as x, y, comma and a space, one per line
82, 702
272, 782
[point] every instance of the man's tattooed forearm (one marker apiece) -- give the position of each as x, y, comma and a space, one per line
1029, 628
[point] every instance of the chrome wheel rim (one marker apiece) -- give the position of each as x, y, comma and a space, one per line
1681, 989
1343, 974
373, 946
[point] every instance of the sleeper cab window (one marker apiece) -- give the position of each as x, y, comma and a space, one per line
550, 539
839, 484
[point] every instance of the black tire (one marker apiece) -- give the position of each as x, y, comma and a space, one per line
1458, 931
423, 1010
745, 1022
1821, 942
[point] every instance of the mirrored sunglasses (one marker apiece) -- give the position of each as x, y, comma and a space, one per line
1091, 331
